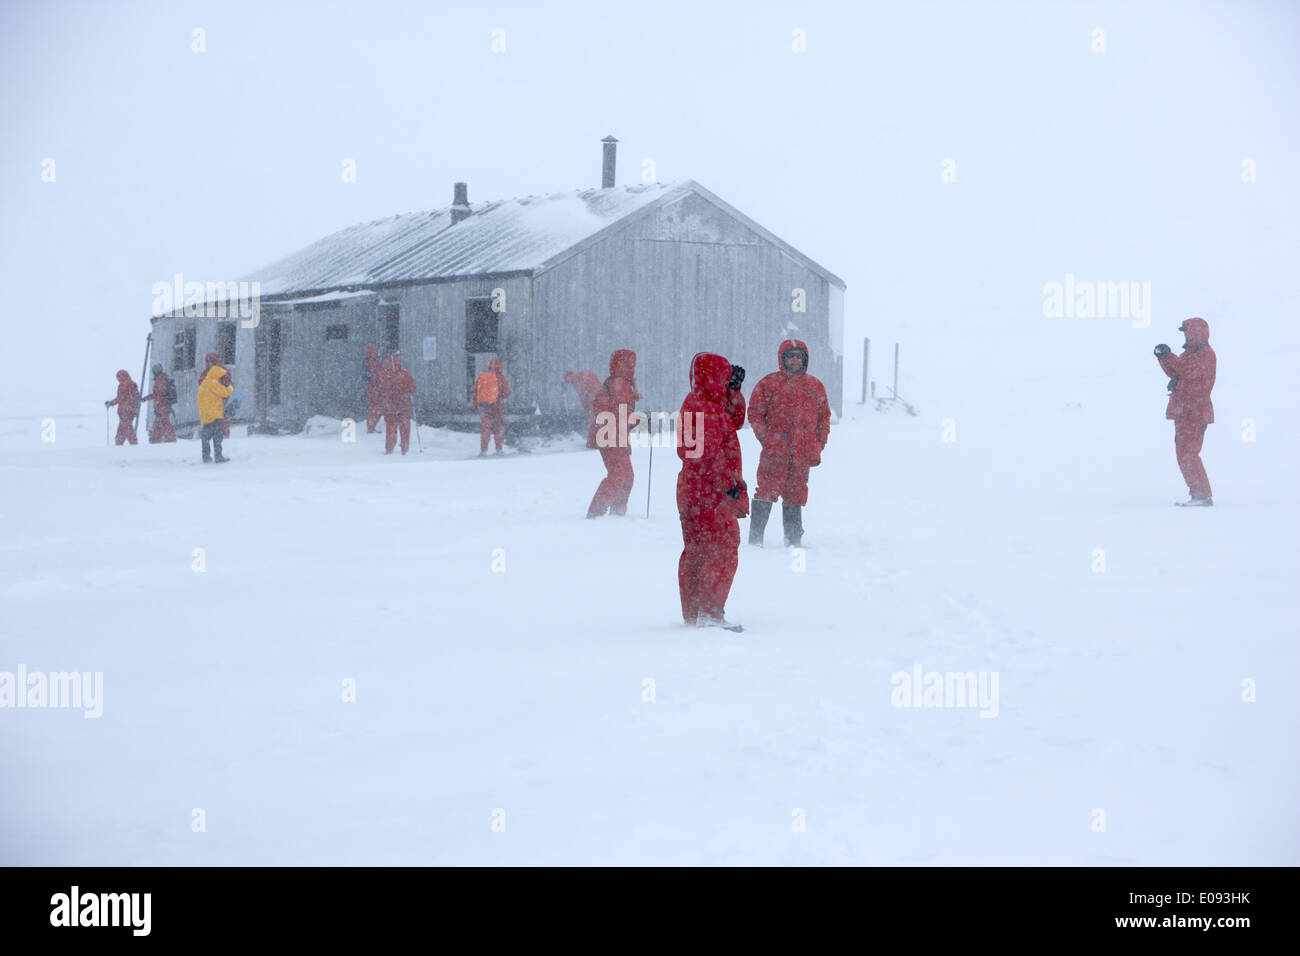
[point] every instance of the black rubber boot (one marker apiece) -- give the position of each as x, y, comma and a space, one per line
792, 520
759, 512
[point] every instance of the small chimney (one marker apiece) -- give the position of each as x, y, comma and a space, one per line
607, 167
460, 204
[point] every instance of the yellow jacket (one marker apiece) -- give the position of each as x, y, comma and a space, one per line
212, 395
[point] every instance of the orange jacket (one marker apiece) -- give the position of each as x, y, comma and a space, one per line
491, 386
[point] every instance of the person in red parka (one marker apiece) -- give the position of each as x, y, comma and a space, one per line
396, 386
161, 430
586, 383
128, 404
1191, 377
612, 407
791, 419
711, 495
374, 374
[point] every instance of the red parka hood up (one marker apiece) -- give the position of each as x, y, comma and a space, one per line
623, 364
786, 346
1193, 373
710, 375
1197, 332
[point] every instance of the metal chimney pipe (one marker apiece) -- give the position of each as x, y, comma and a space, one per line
607, 167
460, 203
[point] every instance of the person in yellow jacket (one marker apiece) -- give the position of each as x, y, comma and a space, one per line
215, 387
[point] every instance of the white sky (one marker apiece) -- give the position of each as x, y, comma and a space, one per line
1124, 165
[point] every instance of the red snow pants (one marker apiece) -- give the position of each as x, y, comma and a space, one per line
125, 428
708, 562
1188, 438
161, 430
491, 421
781, 476
614, 490
393, 425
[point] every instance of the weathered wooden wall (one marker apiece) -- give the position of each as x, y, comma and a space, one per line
438, 309
164, 331
688, 278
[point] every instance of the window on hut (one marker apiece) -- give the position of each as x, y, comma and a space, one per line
183, 349
226, 343
390, 329
480, 325
336, 333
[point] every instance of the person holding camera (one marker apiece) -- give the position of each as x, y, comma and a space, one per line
1191, 377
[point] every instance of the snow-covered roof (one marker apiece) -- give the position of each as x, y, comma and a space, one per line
327, 297
512, 235
505, 236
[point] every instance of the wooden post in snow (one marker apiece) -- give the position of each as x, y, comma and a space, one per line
895, 371
866, 353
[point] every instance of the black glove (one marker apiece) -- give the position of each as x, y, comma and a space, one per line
1173, 382
734, 493
108, 403
737, 377
1161, 350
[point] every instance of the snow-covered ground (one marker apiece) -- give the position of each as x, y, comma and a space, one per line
501, 646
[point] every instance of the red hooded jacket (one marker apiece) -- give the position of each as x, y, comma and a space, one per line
620, 388
374, 371
711, 464
158, 394
789, 411
1190, 400
128, 395
396, 386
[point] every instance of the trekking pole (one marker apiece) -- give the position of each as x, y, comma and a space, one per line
107, 427
419, 443
649, 474
144, 369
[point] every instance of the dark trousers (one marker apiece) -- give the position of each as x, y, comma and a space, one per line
211, 432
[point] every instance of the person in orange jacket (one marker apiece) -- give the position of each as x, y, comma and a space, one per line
161, 395
490, 393
1191, 378
128, 404
215, 387
374, 374
396, 388
612, 407
711, 495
